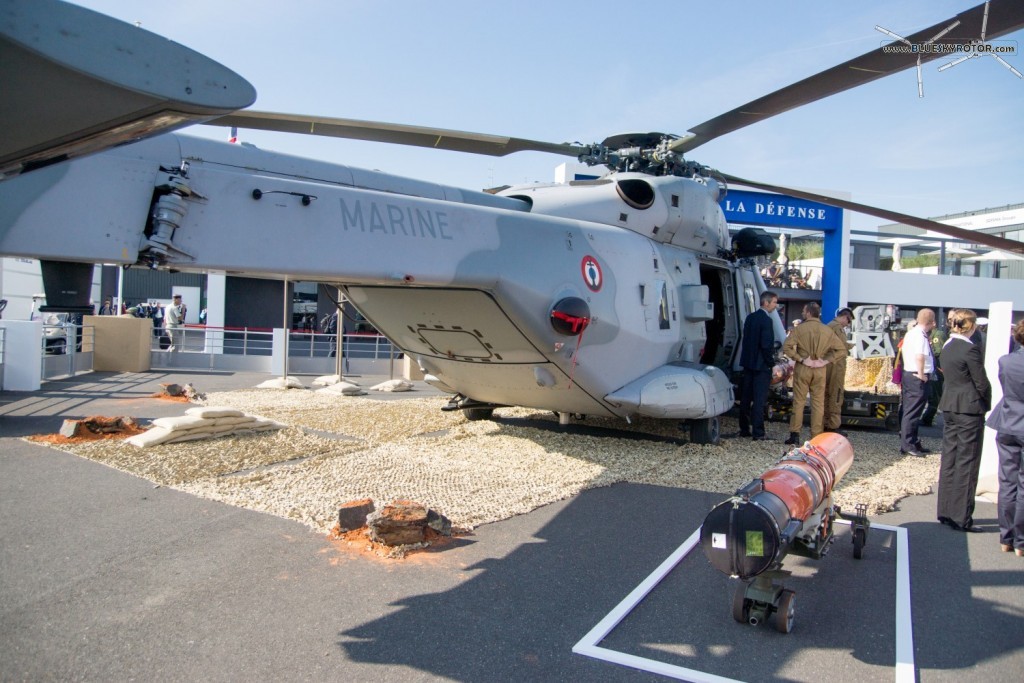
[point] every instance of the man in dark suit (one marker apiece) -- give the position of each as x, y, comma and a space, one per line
757, 356
966, 398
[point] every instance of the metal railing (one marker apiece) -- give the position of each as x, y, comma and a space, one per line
794, 277
217, 348
67, 350
260, 342
198, 339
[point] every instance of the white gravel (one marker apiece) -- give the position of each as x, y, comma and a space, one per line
340, 448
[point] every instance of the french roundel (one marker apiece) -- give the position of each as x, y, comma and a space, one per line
592, 273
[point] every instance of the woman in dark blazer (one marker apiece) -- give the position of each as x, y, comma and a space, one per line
1007, 419
966, 397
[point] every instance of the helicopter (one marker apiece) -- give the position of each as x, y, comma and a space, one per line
621, 296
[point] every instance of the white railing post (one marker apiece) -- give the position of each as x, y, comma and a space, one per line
278, 360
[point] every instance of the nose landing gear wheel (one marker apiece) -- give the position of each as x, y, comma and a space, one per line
474, 414
705, 431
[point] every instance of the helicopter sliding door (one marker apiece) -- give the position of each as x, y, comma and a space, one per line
723, 331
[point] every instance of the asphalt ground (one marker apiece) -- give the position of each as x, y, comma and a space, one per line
104, 577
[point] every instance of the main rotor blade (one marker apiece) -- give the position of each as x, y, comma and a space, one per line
950, 231
1003, 16
376, 131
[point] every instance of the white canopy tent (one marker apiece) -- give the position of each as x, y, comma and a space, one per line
950, 251
996, 255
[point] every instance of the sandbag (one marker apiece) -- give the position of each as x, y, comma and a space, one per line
151, 437
178, 423
229, 421
281, 383
344, 388
214, 411
393, 385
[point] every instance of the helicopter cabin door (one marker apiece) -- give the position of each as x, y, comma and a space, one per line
748, 300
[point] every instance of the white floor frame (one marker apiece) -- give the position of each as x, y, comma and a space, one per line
588, 645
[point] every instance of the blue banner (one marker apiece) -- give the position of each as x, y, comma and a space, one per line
779, 210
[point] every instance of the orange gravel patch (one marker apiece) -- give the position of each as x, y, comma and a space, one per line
168, 397
56, 439
357, 542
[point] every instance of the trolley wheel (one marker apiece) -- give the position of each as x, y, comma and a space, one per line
784, 612
741, 605
860, 537
474, 414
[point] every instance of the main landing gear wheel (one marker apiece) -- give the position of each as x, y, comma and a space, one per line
741, 605
705, 431
474, 414
859, 539
784, 612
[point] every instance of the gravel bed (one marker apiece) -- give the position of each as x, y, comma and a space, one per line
473, 472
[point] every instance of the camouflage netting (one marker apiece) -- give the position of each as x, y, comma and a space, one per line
336, 449
871, 374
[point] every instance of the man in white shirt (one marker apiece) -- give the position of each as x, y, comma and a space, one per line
174, 321
918, 366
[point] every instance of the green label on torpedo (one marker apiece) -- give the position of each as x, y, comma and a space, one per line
755, 544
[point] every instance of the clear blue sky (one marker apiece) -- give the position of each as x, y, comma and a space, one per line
582, 70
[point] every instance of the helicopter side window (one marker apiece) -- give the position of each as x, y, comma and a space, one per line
663, 314
748, 291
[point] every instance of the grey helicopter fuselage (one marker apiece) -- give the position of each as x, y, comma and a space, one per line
467, 283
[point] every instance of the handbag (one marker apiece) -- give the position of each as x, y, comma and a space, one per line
897, 367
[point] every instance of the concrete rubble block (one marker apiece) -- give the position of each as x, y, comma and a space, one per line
71, 428
97, 425
439, 523
190, 392
172, 389
353, 514
401, 522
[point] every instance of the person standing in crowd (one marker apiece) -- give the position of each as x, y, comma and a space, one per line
980, 336
1007, 419
330, 327
106, 308
835, 374
965, 400
174, 322
937, 339
757, 357
812, 346
918, 367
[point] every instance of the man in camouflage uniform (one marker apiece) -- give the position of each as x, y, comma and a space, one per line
813, 346
937, 339
835, 373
